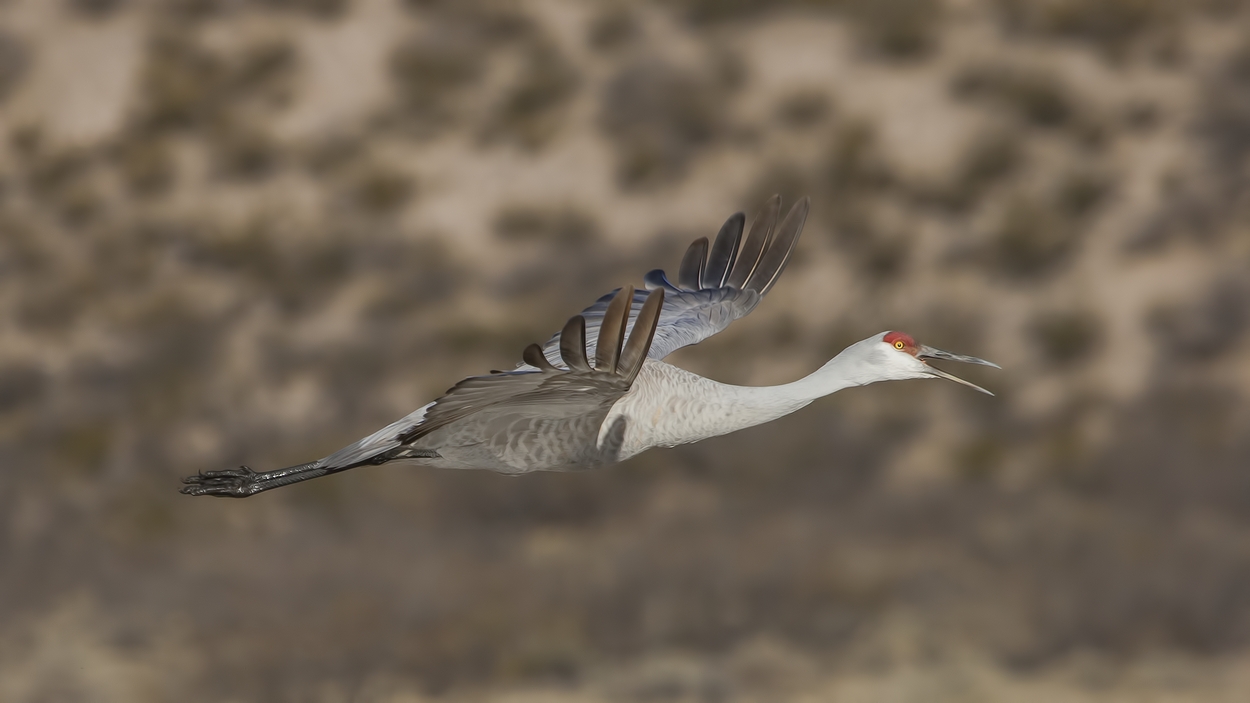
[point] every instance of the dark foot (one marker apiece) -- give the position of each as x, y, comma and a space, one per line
228, 483
243, 482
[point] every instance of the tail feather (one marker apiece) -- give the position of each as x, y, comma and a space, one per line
380, 442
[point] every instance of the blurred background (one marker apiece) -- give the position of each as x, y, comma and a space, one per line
255, 231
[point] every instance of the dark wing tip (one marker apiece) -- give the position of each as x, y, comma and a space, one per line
573, 344
690, 273
612, 330
777, 253
635, 352
757, 242
533, 355
720, 260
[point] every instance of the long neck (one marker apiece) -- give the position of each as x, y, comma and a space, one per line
760, 404
669, 406
679, 407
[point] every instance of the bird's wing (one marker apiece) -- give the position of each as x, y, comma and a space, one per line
575, 394
550, 392
715, 285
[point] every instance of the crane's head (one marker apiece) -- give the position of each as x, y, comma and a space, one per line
896, 356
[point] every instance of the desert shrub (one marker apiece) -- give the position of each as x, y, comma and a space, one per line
147, 165
1113, 27
430, 73
612, 29
321, 9
1205, 328
264, 69
49, 173
1066, 336
187, 86
897, 29
989, 160
658, 117
180, 83
244, 153
493, 22
95, 9
20, 385
562, 227
1030, 240
529, 112
1035, 95
1079, 193
333, 154
13, 64
979, 458
1141, 115
804, 108
707, 11
382, 191
854, 165
1225, 115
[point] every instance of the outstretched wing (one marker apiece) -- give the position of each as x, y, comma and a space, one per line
715, 285
566, 400
555, 392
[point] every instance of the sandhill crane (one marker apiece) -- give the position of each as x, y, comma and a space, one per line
558, 412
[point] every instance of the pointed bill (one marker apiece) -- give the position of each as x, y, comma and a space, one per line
931, 353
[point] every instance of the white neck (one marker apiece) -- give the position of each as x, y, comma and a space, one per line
670, 406
683, 407
756, 405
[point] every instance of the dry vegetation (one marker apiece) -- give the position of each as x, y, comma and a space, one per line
279, 225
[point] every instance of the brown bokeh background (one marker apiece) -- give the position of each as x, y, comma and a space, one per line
255, 231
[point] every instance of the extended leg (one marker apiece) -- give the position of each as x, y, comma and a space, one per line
243, 482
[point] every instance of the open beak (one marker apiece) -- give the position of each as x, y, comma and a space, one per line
931, 353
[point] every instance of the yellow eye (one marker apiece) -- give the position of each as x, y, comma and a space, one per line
898, 344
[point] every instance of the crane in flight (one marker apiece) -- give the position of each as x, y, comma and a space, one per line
559, 412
